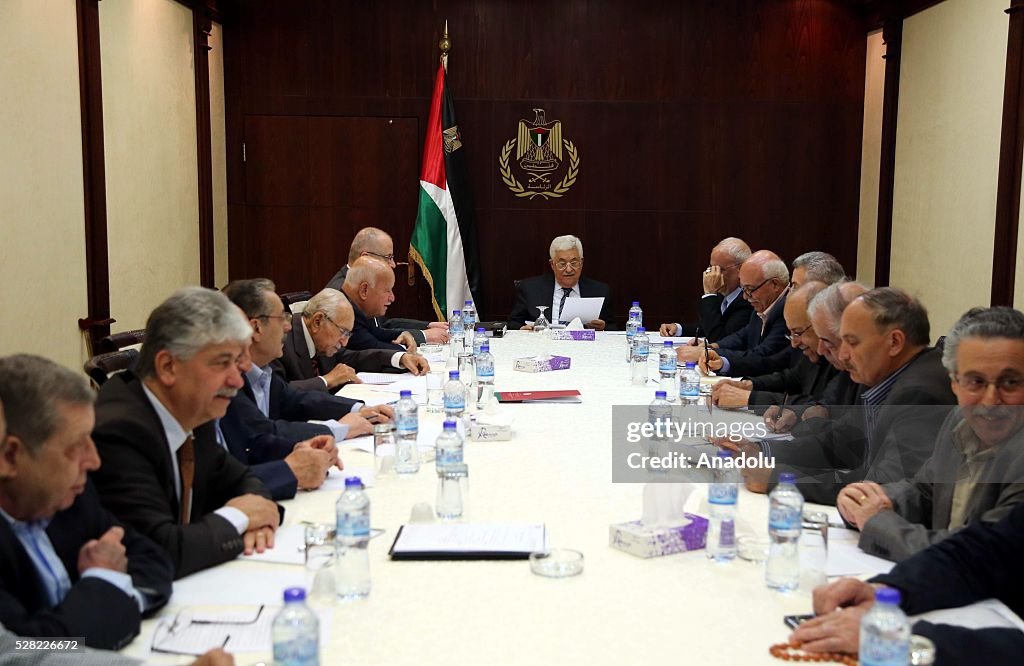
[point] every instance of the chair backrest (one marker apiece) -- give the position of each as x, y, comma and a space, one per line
116, 341
100, 367
293, 297
516, 283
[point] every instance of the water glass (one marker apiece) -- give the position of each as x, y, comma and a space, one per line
384, 449
319, 552
435, 391
452, 489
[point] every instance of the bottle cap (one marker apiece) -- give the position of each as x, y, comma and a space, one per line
787, 477
456, 312
449, 425
636, 304
469, 303
453, 374
668, 343
660, 395
641, 329
691, 365
294, 594
404, 393
887, 595
481, 329
353, 481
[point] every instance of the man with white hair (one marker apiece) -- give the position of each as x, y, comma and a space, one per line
369, 286
721, 310
163, 471
566, 281
816, 266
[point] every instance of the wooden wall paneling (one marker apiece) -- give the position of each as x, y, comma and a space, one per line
278, 245
1011, 152
277, 168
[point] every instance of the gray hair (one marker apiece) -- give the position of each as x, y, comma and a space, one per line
820, 266
31, 390
365, 269
327, 301
191, 319
895, 308
984, 323
250, 295
365, 238
735, 248
563, 243
775, 268
831, 301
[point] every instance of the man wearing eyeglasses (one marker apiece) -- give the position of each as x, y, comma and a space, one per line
977, 469
551, 291
377, 243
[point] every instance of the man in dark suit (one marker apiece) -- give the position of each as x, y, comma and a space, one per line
977, 470
163, 471
721, 310
764, 282
374, 242
369, 286
68, 568
566, 281
315, 354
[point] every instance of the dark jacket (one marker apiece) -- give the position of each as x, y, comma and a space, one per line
136, 481
414, 326
539, 290
748, 349
290, 409
263, 453
802, 382
94, 609
715, 324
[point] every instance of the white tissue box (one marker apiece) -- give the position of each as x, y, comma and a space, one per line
635, 539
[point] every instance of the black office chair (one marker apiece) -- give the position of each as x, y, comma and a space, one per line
100, 367
116, 341
294, 297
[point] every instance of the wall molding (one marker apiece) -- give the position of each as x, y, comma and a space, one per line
892, 38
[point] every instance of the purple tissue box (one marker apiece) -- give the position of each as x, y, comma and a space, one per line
635, 539
574, 335
534, 364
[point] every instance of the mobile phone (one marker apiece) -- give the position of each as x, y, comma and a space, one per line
794, 621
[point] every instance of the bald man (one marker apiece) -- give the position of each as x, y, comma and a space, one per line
369, 287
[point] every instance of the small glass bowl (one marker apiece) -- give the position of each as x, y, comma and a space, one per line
557, 563
430, 348
752, 548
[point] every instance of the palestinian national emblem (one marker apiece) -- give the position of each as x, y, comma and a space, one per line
539, 152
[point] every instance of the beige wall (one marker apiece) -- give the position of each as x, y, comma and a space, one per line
149, 125
874, 92
947, 155
218, 143
42, 237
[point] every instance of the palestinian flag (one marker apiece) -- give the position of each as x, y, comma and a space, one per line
443, 241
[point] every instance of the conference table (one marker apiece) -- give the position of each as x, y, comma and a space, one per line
556, 470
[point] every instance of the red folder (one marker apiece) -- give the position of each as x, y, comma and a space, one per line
569, 395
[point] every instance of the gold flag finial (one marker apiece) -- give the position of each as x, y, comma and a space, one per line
445, 44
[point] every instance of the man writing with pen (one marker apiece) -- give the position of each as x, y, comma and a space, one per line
280, 409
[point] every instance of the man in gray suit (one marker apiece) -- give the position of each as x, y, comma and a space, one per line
977, 470
374, 242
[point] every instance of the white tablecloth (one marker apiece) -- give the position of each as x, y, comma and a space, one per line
557, 470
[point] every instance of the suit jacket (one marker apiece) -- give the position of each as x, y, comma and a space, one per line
137, 484
979, 562
414, 326
714, 324
290, 408
748, 349
801, 382
828, 456
24, 608
295, 367
262, 452
922, 505
368, 335
539, 290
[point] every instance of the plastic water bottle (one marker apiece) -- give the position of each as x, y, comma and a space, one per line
638, 357
885, 631
689, 384
484, 376
454, 396
469, 322
448, 447
456, 333
785, 513
632, 322
479, 339
296, 631
723, 493
407, 423
635, 311
660, 414
352, 536
667, 371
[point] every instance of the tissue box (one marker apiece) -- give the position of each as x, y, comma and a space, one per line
534, 364
573, 335
635, 539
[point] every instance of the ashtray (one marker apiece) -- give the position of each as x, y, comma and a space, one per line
752, 548
430, 349
557, 563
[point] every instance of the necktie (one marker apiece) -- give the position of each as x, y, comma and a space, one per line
315, 364
187, 468
565, 294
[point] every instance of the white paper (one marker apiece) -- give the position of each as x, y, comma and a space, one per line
987, 614
288, 547
364, 443
187, 636
382, 377
336, 477
471, 538
845, 558
587, 309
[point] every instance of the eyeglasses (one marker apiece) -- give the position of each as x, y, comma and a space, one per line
749, 291
343, 332
723, 268
562, 264
386, 257
977, 385
795, 334
284, 316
